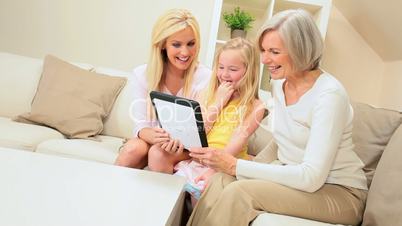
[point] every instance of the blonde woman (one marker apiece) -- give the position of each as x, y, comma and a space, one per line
172, 68
317, 174
232, 109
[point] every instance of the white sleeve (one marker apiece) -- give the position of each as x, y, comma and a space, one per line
329, 119
139, 105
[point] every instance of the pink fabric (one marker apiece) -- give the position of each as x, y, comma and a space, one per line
190, 170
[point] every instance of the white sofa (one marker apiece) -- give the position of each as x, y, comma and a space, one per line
19, 77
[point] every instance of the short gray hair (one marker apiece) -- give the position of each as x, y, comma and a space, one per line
300, 35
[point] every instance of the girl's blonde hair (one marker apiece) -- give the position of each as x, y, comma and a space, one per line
171, 22
248, 84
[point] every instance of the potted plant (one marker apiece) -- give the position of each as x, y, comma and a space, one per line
238, 21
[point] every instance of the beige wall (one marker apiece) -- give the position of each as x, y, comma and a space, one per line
100, 32
116, 34
391, 94
364, 74
349, 58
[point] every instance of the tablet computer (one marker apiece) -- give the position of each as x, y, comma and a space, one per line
181, 118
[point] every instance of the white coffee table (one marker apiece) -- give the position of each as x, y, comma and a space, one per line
44, 190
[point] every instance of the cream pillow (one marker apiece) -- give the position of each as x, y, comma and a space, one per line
72, 100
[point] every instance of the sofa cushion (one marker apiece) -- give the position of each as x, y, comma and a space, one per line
372, 129
72, 100
19, 77
104, 150
119, 122
24, 136
260, 139
384, 200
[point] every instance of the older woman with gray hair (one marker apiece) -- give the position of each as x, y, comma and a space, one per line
319, 176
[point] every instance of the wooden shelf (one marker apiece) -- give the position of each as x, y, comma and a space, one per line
262, 10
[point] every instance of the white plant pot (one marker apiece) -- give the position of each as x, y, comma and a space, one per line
238, 33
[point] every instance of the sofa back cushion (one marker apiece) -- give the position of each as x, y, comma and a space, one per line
372, 129
73, 100
261, 139
119, 122
384, 200
19, 77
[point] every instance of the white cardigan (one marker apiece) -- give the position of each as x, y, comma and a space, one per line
314, 138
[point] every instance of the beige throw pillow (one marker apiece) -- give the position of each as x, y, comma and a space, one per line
384, 200
72, 100
372, 129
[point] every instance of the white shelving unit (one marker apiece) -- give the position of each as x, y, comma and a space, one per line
262, 10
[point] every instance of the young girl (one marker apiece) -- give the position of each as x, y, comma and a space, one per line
172, 68
231, 109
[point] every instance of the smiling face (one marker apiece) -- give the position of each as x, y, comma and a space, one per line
181, 49
275, 56
231, 67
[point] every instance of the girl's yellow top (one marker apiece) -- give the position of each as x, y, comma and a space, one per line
226, 123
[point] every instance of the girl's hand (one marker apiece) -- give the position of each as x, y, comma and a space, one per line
216, 159
153, 135
205, 177
172, 146
223, 94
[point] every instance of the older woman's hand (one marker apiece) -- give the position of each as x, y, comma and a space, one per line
216, 159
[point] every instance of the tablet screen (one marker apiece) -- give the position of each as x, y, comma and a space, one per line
181, 118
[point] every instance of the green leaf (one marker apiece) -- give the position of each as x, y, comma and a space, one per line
238, 19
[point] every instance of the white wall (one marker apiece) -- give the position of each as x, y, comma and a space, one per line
110, 33
349, 58
117, 33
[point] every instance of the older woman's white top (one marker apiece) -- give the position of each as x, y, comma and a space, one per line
314, 138
139, 87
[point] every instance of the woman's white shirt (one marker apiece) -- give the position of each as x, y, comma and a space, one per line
314, 138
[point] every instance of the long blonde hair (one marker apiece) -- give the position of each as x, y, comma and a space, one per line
248, 84
173, 21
